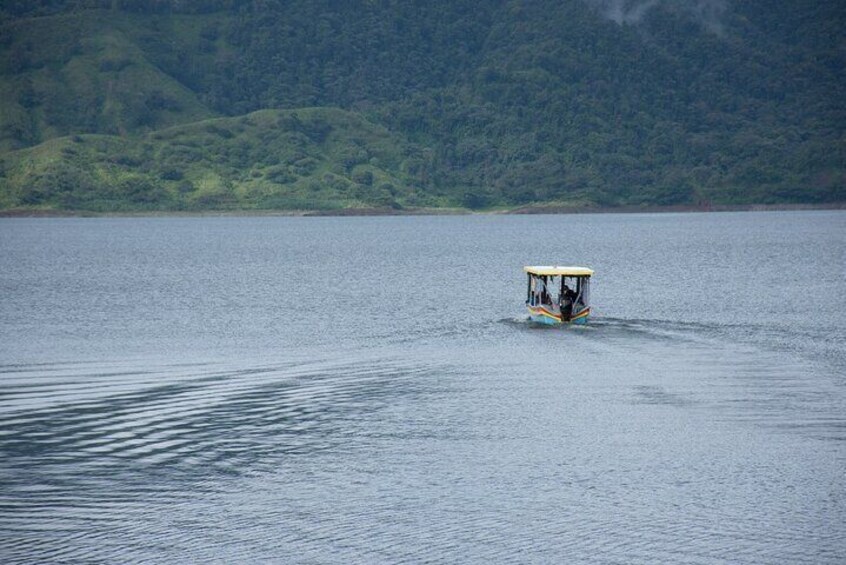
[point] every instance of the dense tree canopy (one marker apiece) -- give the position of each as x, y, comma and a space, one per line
486, 103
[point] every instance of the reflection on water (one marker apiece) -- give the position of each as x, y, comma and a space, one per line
165, 401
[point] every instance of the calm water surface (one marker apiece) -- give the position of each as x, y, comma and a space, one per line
368, 390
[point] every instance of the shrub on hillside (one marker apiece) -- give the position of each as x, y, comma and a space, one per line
61, 184
363, 177
141, 190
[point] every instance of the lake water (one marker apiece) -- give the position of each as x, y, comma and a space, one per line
368, 390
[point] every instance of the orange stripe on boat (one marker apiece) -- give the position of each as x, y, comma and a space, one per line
544, 312
581, 314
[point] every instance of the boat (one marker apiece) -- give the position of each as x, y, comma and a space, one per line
558, 295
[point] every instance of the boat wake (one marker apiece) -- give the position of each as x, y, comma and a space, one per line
199, 415
111, 439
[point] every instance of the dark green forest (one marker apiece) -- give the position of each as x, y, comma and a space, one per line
131, 105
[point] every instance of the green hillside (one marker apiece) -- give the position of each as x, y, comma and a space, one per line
312, 158
216, 104
86, 72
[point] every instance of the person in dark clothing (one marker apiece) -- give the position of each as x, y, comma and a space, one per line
568, 297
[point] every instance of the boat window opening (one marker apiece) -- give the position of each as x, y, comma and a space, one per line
535, 291
542, 289
538, 290
579, 289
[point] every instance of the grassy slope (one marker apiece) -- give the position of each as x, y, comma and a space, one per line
313, 158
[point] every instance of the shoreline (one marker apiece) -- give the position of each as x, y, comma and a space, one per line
676, 209
349, 212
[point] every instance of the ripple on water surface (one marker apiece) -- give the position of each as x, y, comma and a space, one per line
678, 445
698, 418
89, 445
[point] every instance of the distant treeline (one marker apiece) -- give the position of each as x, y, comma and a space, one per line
486, 103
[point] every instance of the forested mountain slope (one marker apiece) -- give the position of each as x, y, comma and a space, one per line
404, 104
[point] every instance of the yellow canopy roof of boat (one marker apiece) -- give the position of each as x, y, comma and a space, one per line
559, 271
